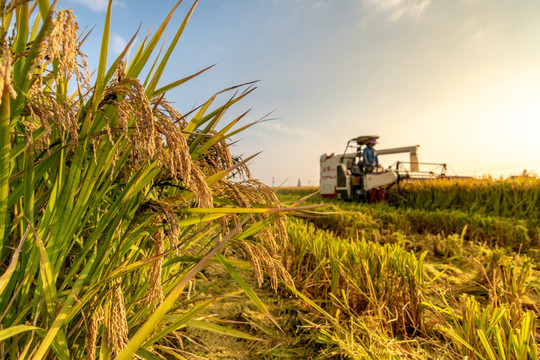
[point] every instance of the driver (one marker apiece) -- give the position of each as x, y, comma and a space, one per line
369, 156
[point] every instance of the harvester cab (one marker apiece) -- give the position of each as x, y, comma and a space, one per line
345, 177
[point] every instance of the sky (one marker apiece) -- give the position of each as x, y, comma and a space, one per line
459, 78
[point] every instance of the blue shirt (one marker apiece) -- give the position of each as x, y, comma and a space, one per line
370, 156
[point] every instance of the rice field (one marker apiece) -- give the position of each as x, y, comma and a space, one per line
128, 230
443, 273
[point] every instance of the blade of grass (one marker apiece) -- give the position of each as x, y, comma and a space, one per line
148, 327
5, 146
102, 64
176, 83
62, 314
222, 330
157, 75
486, 344
182, 320
16, 330
247, 289
142, 57
6, 276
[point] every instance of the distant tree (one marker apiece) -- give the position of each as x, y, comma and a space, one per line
299, 183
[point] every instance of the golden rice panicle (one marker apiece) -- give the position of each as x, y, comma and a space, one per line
271, 200
117, 321
5, 72
251, 192
155, 290
266, 237
218, 157
247, 193
248, 250
229, 191
132, 107
171, 146
265, 195
200, 188
283, 274
232, 192
172, 221
242, 171
155, 136
61, 45
63, 41
226, 221
93, 327
163, 109
260, 260
45, 108
166, 216
223, 155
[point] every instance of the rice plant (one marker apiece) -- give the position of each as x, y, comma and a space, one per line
358, 277
358, 274
506, 279
111, 201
351, 220
508, 198
491, 332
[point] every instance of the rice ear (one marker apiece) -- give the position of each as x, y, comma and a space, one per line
155, 290
93, 331
260, 260
6, 81
117, 319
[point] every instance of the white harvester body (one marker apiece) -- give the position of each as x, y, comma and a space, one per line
343, 176
374, 180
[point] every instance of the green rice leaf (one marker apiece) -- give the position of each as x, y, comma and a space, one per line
147, 355
486, 344
16, 330
142, 57
102, 65
247, 289
6, 276
179, 321
5, 116
204, 325
157, 75
148, 327
62, 314
177, 83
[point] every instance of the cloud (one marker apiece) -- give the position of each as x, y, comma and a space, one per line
316, 4
398, 9
99, 5
118, 44
321, 4
296, 132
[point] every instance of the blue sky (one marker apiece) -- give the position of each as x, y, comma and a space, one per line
460, 78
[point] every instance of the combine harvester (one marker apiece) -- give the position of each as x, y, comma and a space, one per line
344, 177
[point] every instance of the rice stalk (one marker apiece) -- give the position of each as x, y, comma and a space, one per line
95, 180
